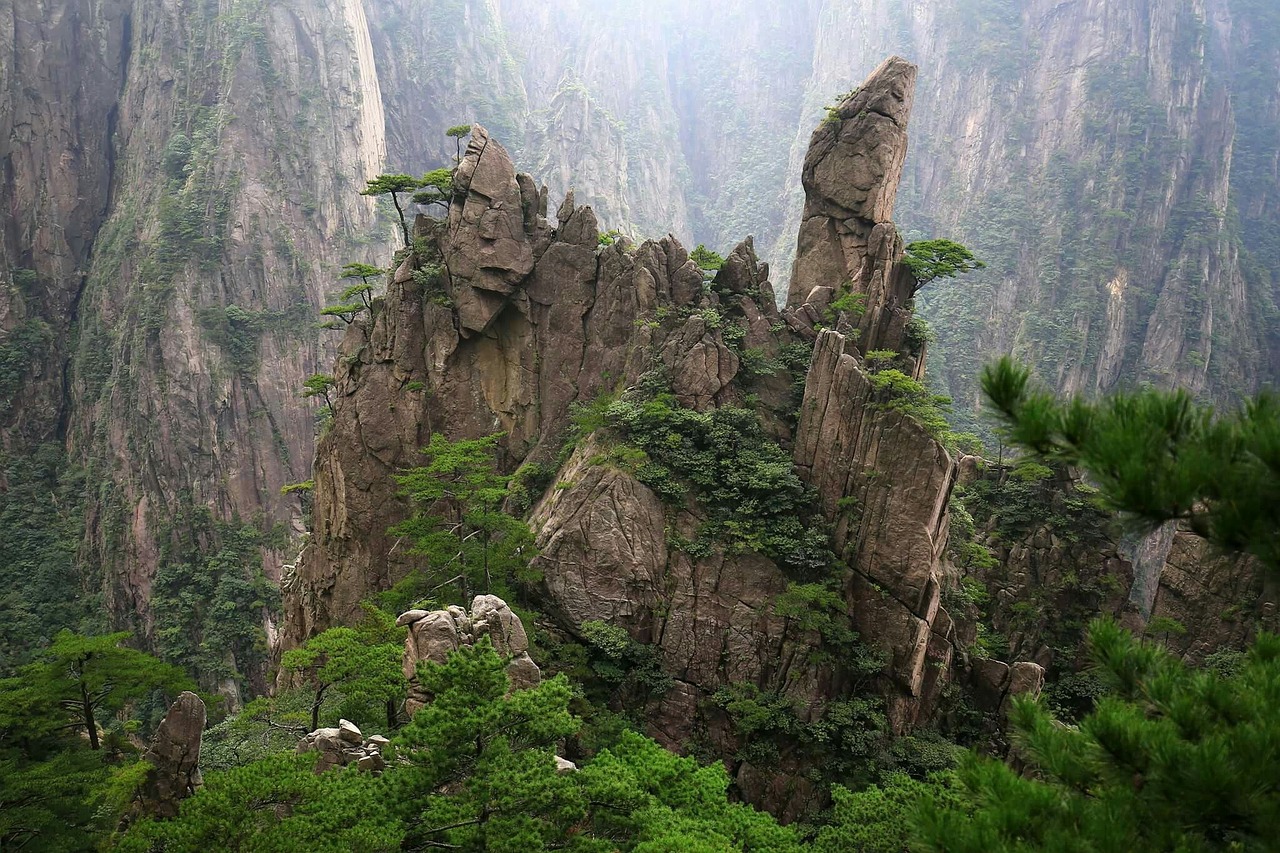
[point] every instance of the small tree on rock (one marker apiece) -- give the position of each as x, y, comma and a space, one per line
457, 133
393, 185
933, 259
364, 289
436, 188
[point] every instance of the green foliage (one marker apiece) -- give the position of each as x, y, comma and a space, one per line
20, 348
820, 608
474, 770
1177, 760
394, 185
319, 385
632, 669
706, 259
459, 525
480, 772
364, 290
47, 804
210, 597
742, 478
435, 187
41, 589
368, 673
1156, 456
237, 331
846, 302
847, 739
898, 392
933, 259
872, 820
77, 679
456, 133
608, 238
276, 804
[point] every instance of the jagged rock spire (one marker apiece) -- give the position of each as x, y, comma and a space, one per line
851, 174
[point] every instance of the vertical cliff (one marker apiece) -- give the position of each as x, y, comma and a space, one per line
60, 78
241, 135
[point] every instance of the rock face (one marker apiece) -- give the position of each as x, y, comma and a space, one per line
434, 634
171, 227
1217, 602
848, 242
174, 757
344, 745
886, 484
528, 319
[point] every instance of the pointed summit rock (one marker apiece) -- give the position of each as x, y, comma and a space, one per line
851, 173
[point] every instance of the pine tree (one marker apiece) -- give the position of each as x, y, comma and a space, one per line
1157, 456
393, 185
1178, 759
368, 674
459, 525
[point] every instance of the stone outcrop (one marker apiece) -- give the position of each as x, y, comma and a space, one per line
174, 756
477, 354
847, 241
434, 634
1219, 601
528, 319
343, 745
885, 483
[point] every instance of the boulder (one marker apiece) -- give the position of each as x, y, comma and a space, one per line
174, 759
344, 745
435, 634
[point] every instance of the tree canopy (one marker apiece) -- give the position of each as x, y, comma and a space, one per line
1175, 759
393, 185
1157, 456
934, 259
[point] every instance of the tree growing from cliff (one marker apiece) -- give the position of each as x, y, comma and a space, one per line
706, 259
364, 289
1177, 759
393, 185
436, 187
1156, 456
459, 525
457, 133
933, 259
319, 385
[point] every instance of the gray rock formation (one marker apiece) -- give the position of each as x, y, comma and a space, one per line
847, 239
344, 745
433, 635
174, 756
886, 484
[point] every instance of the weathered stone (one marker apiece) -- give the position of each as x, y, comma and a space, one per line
437, 634
564, 765
342, 746
410, 616
850, 178
990, 680
174, 759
